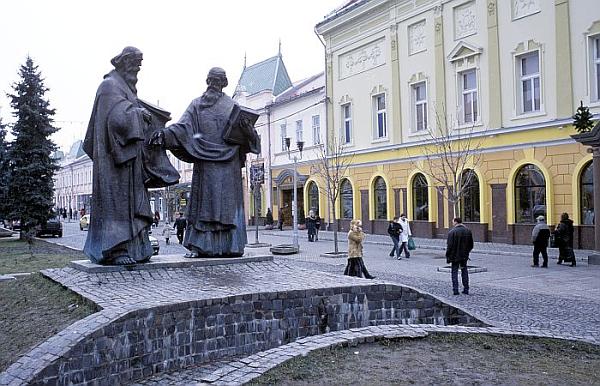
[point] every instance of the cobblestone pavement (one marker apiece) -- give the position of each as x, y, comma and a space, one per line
559, 301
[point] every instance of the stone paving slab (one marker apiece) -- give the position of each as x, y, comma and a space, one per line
146, 288
168, 261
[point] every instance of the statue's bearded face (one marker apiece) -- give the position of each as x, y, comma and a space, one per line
131, 67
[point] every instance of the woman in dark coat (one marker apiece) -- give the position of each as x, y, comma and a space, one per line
564, 239
311, 226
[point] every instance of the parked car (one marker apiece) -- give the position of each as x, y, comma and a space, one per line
154, 243
51, 227
84, 222
15, 225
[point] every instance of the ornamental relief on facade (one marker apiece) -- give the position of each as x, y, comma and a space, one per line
522, 8
465, 20
362, 59
416, 38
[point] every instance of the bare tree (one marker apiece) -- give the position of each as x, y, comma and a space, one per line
449, 151
331, 166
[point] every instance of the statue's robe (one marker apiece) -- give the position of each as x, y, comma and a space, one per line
215, 213
120, 209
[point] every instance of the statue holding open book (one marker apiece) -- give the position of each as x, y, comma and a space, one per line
214, 134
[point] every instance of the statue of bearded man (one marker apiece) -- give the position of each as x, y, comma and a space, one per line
120, 211
215, 214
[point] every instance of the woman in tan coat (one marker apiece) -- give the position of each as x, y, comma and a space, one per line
356, 266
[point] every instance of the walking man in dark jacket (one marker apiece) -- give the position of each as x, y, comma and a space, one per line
180, 225
539, 236
394, 230
460, 244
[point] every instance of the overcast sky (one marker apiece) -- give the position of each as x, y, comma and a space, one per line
72, 42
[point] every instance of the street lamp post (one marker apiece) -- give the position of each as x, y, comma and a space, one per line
296, 157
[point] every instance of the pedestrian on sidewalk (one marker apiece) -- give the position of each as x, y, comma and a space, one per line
405, 234
394, 230
311, 225
356, 266
280, 219
460, 244
167, 231
180, 225
539, 237
564, 239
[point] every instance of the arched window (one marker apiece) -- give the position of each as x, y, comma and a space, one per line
380, 196
469, 200
530, 194
346, 200
420, 198
586, 190
313, 197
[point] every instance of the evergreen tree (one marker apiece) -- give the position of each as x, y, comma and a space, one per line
4, 172
582, 120
31, 191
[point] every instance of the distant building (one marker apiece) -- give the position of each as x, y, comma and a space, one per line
293, 110
73, 181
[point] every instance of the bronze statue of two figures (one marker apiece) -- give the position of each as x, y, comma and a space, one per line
127, 142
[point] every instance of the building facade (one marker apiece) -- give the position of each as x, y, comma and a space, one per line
287, 110
505, 74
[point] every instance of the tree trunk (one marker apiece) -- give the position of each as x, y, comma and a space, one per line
335, 235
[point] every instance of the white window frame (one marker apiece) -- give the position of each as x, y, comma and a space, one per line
346, 131
594, 50
475, 112
529, 78
299, 130
416, 103
283, 135
316, 129
379, 132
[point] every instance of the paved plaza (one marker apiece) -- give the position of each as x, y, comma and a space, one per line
560, 301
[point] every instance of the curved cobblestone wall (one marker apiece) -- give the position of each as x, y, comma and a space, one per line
111, 348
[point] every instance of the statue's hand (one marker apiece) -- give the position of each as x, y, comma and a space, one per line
147, 116
158, 138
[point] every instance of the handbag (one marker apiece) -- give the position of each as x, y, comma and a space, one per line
411, 244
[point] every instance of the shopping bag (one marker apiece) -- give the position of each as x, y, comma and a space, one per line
411, 244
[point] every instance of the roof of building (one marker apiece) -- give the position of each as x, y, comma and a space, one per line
301, 88
270, 74
341, 10
76, 150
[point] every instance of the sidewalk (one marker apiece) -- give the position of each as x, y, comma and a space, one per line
434, 244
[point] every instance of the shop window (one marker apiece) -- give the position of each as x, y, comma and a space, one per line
420, 198
469, 200
346, 200
313, 197
586, 190
380, 196
530, 194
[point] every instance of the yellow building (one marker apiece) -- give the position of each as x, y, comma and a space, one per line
505, 76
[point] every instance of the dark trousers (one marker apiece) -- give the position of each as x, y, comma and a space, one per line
537, 249
280, 225
180, 235
395, 249
464, 273
311, 236
404, 247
